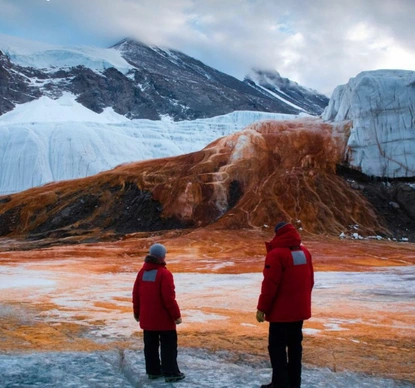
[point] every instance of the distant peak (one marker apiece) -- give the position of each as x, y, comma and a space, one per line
128, 42
264, 72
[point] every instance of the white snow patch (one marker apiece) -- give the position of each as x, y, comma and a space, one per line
281, 98
63, 110
310, 331
199, 316
12, 278
334, 327
222, 265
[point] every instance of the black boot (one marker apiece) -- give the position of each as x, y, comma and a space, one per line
172, 378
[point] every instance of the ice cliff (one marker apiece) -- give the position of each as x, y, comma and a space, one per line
381, 106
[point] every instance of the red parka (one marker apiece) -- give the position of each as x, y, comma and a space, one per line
154, 297
288, 278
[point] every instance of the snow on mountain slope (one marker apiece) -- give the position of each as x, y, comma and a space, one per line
44, 56
64, 109
381, 106
136, 80
289, 92
48, 140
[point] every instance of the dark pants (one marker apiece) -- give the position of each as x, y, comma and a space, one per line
286, 371
168, 344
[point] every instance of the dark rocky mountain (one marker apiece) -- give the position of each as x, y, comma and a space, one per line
14, 87
160, 82
271, 82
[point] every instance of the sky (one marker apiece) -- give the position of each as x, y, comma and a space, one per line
318, 43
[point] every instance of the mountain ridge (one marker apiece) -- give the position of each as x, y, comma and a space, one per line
155, 82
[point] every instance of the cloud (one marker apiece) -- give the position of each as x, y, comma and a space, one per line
320, 43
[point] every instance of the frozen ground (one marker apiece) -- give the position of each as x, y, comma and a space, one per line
86, 297
75, 293
125, 368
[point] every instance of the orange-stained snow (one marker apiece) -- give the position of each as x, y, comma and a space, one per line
78, 297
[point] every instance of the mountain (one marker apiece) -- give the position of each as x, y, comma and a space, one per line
249, 179
299, 97
136, 80
380, 107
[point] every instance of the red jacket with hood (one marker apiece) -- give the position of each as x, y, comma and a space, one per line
154, 297
288, 278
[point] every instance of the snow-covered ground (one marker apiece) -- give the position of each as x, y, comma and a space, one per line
87, 293
125, 368
74, 293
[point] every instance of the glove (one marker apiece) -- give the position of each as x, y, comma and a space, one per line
136, 317
260, 316
178, 321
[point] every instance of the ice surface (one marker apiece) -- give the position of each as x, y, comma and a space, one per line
18, 277
125, 368
89, 294
106, 297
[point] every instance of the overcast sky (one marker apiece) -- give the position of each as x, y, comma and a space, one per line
317, 43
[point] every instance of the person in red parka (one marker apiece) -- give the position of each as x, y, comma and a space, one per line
285, 302
156, 309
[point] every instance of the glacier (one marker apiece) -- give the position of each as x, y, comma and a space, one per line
49, 140
43, 56
381, 106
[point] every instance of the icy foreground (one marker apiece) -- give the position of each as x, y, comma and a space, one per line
125, 368
97, 297
380, 105
50, 140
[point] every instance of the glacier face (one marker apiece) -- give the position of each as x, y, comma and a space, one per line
381, 106
49, 57
49, 140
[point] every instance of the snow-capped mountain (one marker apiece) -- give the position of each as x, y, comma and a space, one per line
381, 108
136, 80
299, 97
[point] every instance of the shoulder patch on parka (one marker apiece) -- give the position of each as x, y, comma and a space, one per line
298, 257
150, 276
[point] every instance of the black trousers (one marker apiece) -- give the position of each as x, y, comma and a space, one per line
167, 341
286, 366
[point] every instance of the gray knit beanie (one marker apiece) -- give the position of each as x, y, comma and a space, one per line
158, 250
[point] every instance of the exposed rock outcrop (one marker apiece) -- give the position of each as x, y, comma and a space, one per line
381, 106
15, 87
